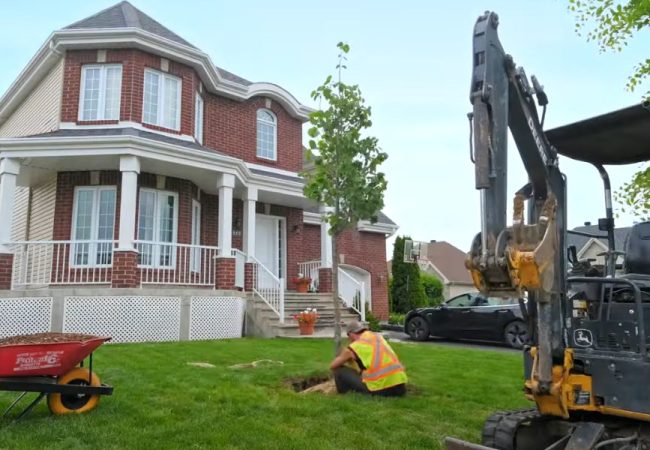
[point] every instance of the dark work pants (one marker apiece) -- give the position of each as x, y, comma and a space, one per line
349, 380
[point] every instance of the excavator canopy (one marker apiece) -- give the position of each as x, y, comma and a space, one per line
619, 137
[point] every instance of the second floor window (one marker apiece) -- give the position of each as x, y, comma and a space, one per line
162, 100
198, 119
266, 134
101, 87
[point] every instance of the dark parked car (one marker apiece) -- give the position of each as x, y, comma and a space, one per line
470, 316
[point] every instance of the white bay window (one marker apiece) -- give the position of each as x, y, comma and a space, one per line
157, 227
93, 221
101, 88
161, 100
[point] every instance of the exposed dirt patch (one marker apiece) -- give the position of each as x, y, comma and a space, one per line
45, 338
310, 384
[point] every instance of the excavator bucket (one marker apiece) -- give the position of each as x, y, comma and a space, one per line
456, 444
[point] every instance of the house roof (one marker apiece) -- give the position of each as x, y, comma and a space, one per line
620, 234
125, 15
448, 260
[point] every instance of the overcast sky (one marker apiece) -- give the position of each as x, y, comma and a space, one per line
412, 61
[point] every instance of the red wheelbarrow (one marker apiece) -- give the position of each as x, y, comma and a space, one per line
52, 364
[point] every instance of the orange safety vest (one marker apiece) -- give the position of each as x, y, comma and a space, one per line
382, 368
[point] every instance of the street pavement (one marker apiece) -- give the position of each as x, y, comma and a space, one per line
398, 336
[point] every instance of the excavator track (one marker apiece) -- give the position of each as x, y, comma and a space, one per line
500, 429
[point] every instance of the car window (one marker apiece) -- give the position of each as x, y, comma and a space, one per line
500, 301
460, 301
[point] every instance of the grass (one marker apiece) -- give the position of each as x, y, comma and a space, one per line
162, 402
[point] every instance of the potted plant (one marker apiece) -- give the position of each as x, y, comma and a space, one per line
302, 283
306, 320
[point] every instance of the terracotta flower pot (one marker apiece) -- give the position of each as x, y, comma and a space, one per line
306, 328
302, 286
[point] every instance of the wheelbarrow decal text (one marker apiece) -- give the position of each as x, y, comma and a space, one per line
37, 360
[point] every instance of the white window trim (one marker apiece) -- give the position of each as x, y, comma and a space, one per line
155, 253
101, 104
198, 124
195, 237
94, 226
161, 98
275, 134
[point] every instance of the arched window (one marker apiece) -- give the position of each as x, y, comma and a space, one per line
266, 134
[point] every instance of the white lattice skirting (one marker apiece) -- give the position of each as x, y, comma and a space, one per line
216, 317
25, 315
126, 318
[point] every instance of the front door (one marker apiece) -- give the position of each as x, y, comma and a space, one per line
269, 246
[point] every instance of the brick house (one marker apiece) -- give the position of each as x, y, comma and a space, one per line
132, 166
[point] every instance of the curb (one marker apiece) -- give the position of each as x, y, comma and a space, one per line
390, 327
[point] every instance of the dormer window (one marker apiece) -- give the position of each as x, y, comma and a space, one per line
266, 134
101, 88
162, 100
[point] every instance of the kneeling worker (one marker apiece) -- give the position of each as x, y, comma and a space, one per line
379, 371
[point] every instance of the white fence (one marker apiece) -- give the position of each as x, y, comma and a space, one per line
310, 269
353, 293
269, 288
177, 264
42, 263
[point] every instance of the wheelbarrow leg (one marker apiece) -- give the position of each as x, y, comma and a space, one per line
14, 403
36, 401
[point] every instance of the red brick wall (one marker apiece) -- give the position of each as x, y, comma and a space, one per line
229, 125
225, 273
6, 265
133, 64
311, 242
125, 270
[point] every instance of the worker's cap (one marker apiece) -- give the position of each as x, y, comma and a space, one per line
355, 327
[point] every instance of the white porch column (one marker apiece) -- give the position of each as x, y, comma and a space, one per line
225, 184
9, 170
249, 221
130, 168
325, 240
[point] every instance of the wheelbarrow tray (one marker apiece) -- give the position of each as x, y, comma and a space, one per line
46, 358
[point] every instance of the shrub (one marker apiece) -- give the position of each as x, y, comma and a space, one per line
407, 292
432, 288
373, 322
396, 319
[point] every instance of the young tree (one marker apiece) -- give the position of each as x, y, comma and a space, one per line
612, 24
407, 291
346, 174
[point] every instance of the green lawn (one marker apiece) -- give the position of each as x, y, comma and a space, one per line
161, 402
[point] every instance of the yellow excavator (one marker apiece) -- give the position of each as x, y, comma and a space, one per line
587, 367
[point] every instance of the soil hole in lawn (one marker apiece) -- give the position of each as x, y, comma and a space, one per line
306, 384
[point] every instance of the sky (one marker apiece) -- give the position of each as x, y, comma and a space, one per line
412, 61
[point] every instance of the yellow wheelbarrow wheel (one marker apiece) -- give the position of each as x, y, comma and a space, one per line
74, 403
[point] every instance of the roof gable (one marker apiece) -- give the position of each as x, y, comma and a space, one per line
448, 260
125, 15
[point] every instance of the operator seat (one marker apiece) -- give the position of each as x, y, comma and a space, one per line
636, 266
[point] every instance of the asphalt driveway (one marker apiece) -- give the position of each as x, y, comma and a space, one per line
403, 337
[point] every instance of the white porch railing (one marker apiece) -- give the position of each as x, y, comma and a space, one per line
240, 264
310, 269
177, 264
268, 287
42, 263
353, 293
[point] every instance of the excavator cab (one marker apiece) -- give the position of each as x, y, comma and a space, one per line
588, 365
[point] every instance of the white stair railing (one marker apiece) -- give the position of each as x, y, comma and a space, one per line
353, 293
268, 287
310, 269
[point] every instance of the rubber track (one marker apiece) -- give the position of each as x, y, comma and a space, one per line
501, 427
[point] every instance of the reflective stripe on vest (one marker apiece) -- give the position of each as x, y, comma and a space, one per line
382, 362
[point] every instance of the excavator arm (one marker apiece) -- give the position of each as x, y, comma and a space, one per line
526, 257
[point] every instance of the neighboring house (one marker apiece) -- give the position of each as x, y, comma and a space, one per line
591, 247
447, 263
134, 166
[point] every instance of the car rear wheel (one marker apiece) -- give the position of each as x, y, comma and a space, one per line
418, 329
516, 334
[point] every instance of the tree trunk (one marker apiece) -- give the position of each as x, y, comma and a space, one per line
335, 295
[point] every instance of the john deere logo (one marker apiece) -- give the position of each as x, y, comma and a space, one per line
583, 338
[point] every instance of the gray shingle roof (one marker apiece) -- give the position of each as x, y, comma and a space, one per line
620, 234
81, 132
125, 15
